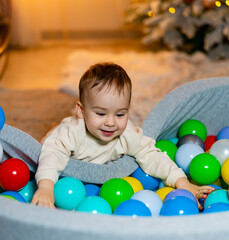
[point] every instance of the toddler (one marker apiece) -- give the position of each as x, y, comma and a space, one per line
101, 132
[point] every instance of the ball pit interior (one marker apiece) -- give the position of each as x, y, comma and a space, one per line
206, 100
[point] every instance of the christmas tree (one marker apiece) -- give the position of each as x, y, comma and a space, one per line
186, 25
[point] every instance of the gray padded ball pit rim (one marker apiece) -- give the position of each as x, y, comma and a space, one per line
20, 145
206, 100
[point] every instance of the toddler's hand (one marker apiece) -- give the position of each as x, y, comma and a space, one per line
44, 196
198, 191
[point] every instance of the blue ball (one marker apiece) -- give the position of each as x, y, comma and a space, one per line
2, 118
216, 207
181, 192
148, 182
185, 153
174, 140
150, 199
14, 194
28, 191
69, 192
94, 205
179, 206
223, 133
132, 207
91, 190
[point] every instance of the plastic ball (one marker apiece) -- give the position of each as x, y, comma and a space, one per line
14, 194
94, 205
148, 182
9, 197
216, 207
209, 142
220, 149
2, 118
194, 127
223, 133
162, 192
69, 192
174, 140
14, 174
28, 191
181, 192
204, 168
190, 138
201, 200
116, 191
185, 154
216, 196
135, 183
150, 199
225, 171
1, 152
167, 147
179, 206
132, 207
91, 190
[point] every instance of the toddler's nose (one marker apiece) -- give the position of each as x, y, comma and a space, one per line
110, 122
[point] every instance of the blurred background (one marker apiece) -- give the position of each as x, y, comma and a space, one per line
45, 47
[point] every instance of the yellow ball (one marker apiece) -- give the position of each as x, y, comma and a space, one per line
162, 192
225, 171
135, 183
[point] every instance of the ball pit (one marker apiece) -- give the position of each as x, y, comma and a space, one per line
204, 100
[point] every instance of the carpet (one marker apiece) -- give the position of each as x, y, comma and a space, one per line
153, 74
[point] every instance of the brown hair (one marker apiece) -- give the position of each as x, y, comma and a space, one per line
104, 74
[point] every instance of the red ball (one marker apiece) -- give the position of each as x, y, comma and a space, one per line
14, 174
209, 141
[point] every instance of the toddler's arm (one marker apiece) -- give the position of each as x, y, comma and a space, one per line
198, 191
44, 196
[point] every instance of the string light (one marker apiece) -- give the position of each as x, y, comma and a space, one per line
227, 2
218, 3
172, 10
151, 14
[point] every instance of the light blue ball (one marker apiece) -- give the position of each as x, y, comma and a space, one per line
223, 133
216, 207
69, 192
150, 199
14, 194
185, 153
91, 190
179, 206
148, 182
132, 207
94, 205
2, 118
219, 195
28, 191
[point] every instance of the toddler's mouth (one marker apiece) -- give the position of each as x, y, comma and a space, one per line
107, 133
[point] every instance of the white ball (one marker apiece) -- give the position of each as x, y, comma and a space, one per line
1, 152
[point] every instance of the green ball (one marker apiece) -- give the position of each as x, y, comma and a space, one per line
205, 168
116, 191
167, 147
195, 127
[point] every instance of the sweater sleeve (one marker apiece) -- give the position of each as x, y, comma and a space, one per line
151, 159
56, 150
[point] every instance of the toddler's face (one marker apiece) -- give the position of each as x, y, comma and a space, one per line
106, 112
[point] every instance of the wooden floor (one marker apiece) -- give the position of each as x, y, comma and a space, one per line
40, 67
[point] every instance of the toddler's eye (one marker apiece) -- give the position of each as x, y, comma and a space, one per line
120, 114
100, 114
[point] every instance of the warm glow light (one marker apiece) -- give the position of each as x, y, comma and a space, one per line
218, 3
172, 10
227, 2
151, 14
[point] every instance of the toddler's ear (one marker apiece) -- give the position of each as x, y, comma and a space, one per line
79, 110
